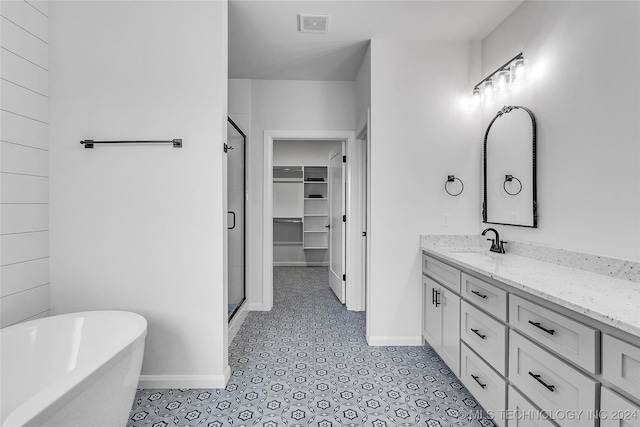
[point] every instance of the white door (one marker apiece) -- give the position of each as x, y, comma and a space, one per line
337, 251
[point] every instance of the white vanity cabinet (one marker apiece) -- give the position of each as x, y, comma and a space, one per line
553, 385
616, 411
527, 361
441, 322
621, 364
489, 388
521, 413
573, 340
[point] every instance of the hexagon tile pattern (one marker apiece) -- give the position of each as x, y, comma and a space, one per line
307, 363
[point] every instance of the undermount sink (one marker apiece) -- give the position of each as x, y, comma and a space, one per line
471, 251
477, 253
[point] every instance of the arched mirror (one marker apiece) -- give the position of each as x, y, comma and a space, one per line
510, 169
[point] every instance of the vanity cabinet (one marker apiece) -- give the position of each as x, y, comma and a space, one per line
486, 335
484, 295
617, 411
523, 414
621, 364
553, 385
573, 340
527, 361
441, 322
489, 388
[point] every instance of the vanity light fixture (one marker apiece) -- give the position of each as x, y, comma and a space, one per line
488, 92
515, 72
476, 97
502, 82
519, 71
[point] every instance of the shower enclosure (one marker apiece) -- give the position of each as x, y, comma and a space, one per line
236, 206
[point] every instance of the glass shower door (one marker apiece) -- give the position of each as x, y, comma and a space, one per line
235, 149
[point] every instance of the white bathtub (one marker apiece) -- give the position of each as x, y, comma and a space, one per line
78, 369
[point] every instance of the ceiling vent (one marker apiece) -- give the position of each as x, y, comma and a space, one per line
313, 23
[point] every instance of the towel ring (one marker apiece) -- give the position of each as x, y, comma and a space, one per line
452, 178
510, 178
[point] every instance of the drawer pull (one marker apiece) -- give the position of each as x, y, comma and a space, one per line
478, 381
475, 331
537, 378
434, 295
537, 325
478, 294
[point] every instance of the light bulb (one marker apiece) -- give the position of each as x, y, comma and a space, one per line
520, 71
475, 99
488, 91
502, 82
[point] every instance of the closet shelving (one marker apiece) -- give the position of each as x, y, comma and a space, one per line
316, 208
301, 206
287, 207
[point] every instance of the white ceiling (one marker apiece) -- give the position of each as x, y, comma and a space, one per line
264, 42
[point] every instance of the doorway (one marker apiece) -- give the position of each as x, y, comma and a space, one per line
301, 203
236, 212
354, 294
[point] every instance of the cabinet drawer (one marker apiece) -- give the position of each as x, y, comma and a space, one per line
485, 295
616, 411
522, 413
485, 335
621, 364
550, 383
441, 272
489, 389
577, 342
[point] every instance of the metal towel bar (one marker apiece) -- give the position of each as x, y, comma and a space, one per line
88, 143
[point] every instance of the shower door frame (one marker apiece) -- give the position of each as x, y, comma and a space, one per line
244, 221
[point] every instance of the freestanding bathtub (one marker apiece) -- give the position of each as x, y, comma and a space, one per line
78, 369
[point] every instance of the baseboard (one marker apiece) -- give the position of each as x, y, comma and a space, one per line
185, 381
237, 321
300, 264
255, 306
374, 340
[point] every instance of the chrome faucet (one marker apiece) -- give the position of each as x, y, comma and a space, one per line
496, 244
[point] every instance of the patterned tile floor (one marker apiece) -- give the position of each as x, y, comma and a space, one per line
307, 363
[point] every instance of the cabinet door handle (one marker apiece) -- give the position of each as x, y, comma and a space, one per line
475, 331
537, 325
436, 298
537, 378
478, 294
478, 381
234, 218
433, 295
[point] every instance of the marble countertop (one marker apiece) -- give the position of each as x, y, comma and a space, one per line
612, 301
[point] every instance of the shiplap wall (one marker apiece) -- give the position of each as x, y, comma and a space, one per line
24, 161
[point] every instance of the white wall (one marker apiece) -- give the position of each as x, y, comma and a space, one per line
584, 93
304, 153
141, 228
420, 133
363, 92
286, 105
24, 166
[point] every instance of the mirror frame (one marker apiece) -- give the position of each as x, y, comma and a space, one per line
505, 110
